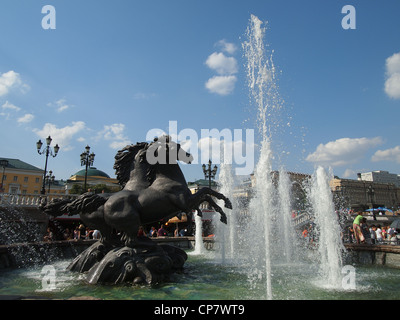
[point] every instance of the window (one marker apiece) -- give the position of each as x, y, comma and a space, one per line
15, 178
37, 180
25, 179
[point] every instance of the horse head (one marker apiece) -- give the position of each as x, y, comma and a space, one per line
127, 159
165, 151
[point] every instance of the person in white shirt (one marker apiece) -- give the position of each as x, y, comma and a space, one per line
379, 237
96, 234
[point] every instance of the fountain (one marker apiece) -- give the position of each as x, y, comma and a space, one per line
284, 216
146, 171
253, 261
199, 248
227, 235
270, 207
330, 245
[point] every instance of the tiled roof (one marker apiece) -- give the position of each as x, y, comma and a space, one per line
18, 164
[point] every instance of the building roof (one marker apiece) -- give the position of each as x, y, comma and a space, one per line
202, 182
18, 164
92, 172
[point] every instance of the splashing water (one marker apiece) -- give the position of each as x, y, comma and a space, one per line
199, 248
227, 235
284, 215
329, 243
263, 93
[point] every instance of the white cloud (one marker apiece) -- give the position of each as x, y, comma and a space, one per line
392, 84
210, 148
61, 136
9, 80
26, 118
10, 106
115, 134
60, 105
222, 64
144, 96
8, 109
342, 151
392, 154
226, 46
222, 85
225, 66
348, 173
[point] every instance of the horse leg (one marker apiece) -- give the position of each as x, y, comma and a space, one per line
198, 198
217, 208
199, 212
208, 191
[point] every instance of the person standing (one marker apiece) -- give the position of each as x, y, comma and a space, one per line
357, 229
379, 237
162, 232
153, 232
365, 231
96, 234
373, 234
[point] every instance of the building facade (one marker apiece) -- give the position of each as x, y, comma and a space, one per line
94, 177
381, 177
19, 177
360, 195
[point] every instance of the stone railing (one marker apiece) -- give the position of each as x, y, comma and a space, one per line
27, 200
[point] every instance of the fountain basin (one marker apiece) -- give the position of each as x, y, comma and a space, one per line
203, 279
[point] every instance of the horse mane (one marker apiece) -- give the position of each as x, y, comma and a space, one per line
124, 161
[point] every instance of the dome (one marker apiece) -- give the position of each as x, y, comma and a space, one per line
92, 172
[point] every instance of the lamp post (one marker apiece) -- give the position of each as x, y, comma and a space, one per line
371, 192
50, 179
47, 151
87, 160
4, 164
208, 173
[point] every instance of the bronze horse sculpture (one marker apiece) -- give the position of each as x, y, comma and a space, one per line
153, 188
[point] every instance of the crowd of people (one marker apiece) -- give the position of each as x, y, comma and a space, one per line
360, 232
163, 232
84, 233
79, 233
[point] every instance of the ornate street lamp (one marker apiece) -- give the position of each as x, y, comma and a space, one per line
371, 192
4, 164
47, 151
208, 173
50, 179
87, 160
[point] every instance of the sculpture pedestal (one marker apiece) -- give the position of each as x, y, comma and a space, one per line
146, 263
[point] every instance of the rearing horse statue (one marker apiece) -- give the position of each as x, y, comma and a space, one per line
153, 188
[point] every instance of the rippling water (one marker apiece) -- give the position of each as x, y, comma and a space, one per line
203, 279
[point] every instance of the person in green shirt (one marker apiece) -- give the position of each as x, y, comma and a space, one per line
357, 228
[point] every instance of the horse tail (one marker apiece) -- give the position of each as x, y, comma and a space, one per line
86, 203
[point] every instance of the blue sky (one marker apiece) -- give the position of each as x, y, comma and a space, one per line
112, 71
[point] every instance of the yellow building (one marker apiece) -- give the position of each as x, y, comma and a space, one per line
19, 177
